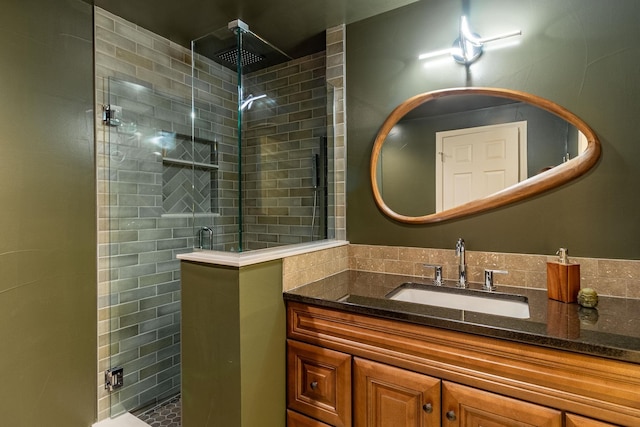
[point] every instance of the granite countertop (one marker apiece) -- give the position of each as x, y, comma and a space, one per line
610, 330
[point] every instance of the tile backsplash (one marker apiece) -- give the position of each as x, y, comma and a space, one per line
299, 270
618, 278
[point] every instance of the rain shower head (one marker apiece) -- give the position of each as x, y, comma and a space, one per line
246, 57
256, 53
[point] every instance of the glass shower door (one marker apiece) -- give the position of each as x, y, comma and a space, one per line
148, 176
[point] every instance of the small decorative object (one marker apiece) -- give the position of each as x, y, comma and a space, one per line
588, 297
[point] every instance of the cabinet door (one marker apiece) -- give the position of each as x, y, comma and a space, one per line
319, 383
385, 396
466, 406
578, 421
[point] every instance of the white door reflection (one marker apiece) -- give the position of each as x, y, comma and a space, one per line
476, 162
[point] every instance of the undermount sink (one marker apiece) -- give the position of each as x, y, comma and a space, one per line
498, 304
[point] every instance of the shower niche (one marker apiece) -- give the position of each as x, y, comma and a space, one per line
189, 162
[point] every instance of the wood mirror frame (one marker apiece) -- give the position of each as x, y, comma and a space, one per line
529, 187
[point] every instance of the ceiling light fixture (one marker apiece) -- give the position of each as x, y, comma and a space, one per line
468, 46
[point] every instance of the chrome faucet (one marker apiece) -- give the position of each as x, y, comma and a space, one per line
462, 265
488, 279
437, 273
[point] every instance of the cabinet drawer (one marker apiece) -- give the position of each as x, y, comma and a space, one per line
319, 383
573, 420
295, 419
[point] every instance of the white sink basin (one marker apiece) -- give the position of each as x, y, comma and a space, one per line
515, 306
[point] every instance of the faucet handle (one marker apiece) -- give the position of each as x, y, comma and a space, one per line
488, 279
437, 273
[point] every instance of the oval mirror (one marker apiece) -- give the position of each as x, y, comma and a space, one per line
450, 153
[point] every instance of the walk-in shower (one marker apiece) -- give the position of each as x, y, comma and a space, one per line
241, 159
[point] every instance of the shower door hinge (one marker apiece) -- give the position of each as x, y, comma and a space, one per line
113, 378
111, 115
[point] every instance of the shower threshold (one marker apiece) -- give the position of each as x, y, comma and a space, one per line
124, 420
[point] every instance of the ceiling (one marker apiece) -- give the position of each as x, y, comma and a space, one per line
294, 26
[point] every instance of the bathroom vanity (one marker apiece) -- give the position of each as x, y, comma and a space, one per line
357, 358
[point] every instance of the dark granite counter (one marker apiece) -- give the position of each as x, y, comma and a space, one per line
611, 330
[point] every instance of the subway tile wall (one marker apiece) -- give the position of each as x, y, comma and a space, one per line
139, 276
215, 125
307, 268
282, 134
336, 71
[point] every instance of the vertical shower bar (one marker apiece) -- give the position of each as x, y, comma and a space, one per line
324, 159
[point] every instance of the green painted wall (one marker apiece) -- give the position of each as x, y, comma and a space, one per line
582, 55
210, 352
47, 215
233, 345
262, 344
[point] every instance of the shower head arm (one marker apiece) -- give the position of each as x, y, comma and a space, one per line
248, 101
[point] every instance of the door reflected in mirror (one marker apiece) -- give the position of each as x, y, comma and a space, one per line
472, 163
449, 153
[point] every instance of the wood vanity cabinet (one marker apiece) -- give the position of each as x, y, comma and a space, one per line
401, 374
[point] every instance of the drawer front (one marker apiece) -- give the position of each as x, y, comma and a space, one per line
295, 419
319, 383
573, 420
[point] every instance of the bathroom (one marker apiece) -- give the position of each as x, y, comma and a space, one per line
583, 58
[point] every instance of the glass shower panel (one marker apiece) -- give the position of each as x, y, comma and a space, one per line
284, 159
275, 140
215, 118
156, 175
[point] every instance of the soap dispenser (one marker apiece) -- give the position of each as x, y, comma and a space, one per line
563, 278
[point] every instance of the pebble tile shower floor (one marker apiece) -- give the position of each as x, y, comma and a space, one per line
167, 414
